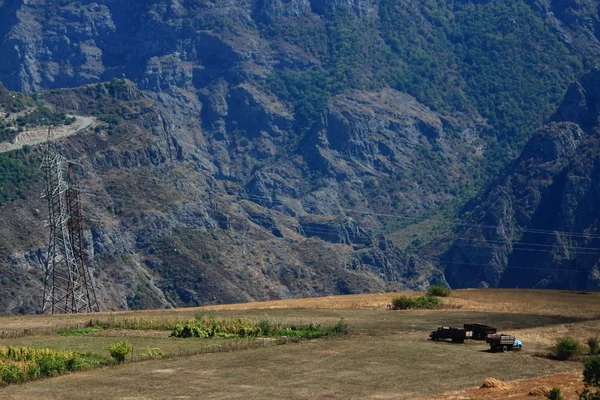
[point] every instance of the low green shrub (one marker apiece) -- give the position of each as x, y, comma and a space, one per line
154, 352
588, 394
591, 372
405, 303
429, 302
313, 326
566, 348
52, 366
438, 291
268, 327
79, 331
341, 328
555, 394
593, 345
120, 350
12, 373
402, 303
591, 379
189, 330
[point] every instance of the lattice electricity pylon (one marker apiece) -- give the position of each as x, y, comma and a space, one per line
75, 224
68, 287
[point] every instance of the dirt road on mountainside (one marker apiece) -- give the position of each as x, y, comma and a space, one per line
39, 135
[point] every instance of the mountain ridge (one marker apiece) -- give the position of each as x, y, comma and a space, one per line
248, 150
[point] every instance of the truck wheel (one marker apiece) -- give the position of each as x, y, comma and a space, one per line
504, 349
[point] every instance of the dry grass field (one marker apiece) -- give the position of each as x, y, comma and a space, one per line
385, 356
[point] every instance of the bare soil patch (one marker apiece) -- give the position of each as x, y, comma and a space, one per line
530, 388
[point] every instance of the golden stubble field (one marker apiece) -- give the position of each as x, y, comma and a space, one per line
385, 356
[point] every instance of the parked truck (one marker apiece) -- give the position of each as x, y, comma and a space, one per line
504, 343
480, 331
457, 335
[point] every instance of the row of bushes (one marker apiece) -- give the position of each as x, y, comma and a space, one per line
429, 301
20, 364
438, 291
240, 327
207, 326
567, 348
405, 303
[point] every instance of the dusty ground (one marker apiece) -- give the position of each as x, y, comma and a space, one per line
569, 385
373, 367
412, 324
385, 356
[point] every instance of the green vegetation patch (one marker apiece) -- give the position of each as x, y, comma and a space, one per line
555, 394
42, 115
13, 102
20, 364
438, 291
17, 172
209, 327
567, 348
79, 331
406, 303
591, 379
593, 346
120, 350
499, 60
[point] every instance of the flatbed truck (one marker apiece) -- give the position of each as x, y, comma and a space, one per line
504, 343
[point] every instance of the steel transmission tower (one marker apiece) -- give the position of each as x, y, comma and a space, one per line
68, 287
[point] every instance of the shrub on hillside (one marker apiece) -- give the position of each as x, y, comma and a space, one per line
555, 394
591, 372
438, 291
402, 303
566, 348
120, 350
405, 303
591, 379
428, 302
593, 345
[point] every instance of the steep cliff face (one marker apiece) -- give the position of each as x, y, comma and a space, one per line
577, 23
191, 205
537, 226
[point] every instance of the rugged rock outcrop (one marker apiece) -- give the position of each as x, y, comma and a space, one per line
193, 203
577, 23
537, 225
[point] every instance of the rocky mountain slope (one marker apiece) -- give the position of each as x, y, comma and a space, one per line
537, 226
255, 149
